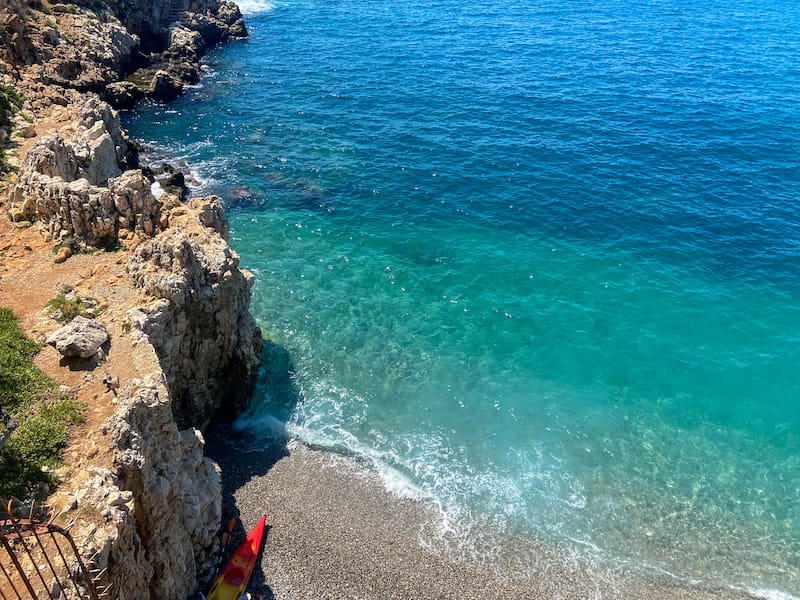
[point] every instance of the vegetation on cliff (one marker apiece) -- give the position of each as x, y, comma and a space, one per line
35, 417
10, 102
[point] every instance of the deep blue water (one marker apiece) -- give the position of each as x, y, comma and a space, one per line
537, 262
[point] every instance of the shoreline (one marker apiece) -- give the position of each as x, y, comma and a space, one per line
335, 531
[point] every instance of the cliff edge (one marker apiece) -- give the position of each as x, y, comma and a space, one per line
82, 220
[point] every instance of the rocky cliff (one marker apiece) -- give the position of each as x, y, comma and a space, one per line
198, 320
123, 50
184, 346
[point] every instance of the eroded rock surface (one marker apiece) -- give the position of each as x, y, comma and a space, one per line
81, 338
145, 500
199, 320
80, 189
165, 472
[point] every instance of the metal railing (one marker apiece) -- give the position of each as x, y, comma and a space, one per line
42, 561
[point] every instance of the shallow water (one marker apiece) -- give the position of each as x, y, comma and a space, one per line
535, 262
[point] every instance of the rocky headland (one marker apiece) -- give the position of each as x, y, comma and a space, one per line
171, 342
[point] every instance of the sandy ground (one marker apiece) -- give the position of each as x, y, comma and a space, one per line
335, 532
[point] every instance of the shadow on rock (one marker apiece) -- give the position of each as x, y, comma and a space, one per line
252, 444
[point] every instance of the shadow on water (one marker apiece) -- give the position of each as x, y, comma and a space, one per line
246, 453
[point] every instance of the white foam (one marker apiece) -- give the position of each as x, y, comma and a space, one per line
264, 424
156, 190
250, 7
770, 594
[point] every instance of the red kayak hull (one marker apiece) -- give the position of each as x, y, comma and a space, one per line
232, 580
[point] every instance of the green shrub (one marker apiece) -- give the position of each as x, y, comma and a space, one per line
42, 416
20, 381
64, 309
10, 102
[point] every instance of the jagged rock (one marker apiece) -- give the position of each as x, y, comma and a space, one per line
81, 338
80, 52
230, 14
170, 180
137, 208
199, 321
79, 189
168, 475
110, 151
157, 511
184, 43
164, 86
123, 94
112, 545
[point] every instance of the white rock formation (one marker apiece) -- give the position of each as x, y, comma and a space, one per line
79, 190
199, 320
81, 337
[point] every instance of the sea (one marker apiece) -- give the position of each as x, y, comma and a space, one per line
534, 262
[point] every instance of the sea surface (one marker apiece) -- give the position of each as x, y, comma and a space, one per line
536, 262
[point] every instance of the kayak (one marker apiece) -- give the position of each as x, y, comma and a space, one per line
232, 580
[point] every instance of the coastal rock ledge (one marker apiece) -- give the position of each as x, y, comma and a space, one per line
81, 214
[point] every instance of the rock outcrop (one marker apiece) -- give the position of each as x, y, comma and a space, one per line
166, 473
73, 47
199, 320
79, 189
197, 347
146, 517
91, 46
159, 508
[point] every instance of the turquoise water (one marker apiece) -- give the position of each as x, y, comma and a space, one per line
537, 262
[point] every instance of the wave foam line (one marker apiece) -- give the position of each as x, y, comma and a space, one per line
251, 7
770, 594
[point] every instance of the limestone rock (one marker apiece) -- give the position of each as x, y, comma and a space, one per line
137, 208
79, 189
123, 94
112, 545
110, 151
183, 43
199, 320
177, 491
63, 254
82, 338
164, 86
157, 510
80, 51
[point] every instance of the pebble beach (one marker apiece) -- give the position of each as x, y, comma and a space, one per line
334, 531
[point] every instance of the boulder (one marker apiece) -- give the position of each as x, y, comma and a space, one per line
164, 87
81, 338
123, 94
